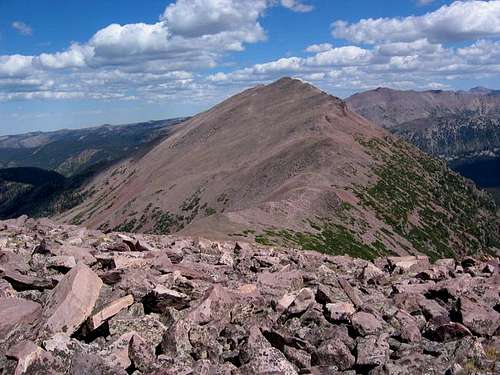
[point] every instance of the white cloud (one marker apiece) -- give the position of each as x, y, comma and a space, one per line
22, 28
74, 57
195, 18
297, 6
421, 46
319, 47
348, 55
424, 2
169, 59
15, 65
459, 21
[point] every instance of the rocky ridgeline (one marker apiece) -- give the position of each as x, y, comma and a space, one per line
77, 301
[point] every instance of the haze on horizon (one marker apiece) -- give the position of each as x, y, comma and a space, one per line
78, 64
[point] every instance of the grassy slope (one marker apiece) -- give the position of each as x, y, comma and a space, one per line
454, 217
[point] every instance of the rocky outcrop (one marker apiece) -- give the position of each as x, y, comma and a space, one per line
185, 306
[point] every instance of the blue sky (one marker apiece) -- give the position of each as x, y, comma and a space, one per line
68, 64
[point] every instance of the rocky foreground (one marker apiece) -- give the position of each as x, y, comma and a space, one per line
76, 301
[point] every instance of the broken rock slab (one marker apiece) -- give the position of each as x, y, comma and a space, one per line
108, 311
25, 353
17, 311
72, 301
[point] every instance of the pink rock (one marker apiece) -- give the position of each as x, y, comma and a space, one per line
110, 310
81, 254
340, 310
72, 301
25, 353
366, 323
480, 319
17, 311
304, 299
408, 327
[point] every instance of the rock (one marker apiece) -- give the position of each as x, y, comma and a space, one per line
72, 301
24, 282
372, 350
214, 307
365, 323
479, 318
92, 364
408, 327
124, 262
448, 263
262, 358
117, 354
149, 327
62, 263
6, 289
108, 311
302, 302
161, 298
444, 331
370, 272
409, 263
25, 353
350, 291
299, 358
17, 312
80, 254
333, 353
340, 311
141, 354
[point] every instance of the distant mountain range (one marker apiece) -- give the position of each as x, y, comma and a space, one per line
43, 172
462, 127
71, 151
289, 164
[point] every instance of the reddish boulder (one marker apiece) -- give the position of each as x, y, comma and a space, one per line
72, 301
17, 311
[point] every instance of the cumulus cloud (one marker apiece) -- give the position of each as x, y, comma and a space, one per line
319, 47
143, 60
195, 18
171, 58
459, 21
22, 28
15, 65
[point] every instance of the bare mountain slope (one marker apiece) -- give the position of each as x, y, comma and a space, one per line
392, 108
288, 163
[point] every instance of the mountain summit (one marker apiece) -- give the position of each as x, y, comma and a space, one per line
289, 164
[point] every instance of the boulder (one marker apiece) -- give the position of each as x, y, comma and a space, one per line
365, 323
80, 254
17, 312
262, 358
141, 354
108, 311
333, 353
22, 282
162, 297
72, 301
340, 311
408, 327
26, 353
302, 301
62, 263
372, 350
480, 319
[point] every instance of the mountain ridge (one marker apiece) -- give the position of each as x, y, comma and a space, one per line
288, 163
